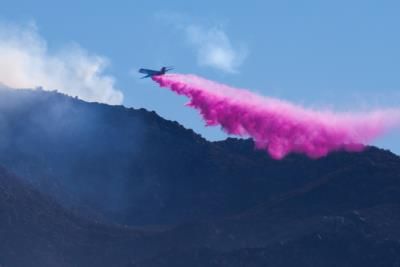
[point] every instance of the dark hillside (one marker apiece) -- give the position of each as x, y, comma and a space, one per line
109, 186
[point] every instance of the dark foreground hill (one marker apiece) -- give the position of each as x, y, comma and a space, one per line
36, 231
109, 186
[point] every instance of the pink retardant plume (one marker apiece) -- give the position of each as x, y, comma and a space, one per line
278, 126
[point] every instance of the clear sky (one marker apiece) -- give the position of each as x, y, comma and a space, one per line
342, 55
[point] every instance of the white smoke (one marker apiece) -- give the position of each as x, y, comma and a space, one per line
27, 62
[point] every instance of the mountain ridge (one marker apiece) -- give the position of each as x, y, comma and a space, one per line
125, 187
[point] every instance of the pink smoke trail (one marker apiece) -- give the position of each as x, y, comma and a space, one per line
275, 125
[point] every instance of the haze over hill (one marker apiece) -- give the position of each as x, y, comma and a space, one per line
110, 186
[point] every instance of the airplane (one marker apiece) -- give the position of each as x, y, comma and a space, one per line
151, 73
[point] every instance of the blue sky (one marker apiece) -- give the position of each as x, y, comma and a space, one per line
342, 55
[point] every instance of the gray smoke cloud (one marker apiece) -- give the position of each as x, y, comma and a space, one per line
27, 62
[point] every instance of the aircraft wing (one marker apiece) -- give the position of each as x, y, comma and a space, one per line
148, 72
147, 76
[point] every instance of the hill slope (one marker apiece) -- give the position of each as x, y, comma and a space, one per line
214, 203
